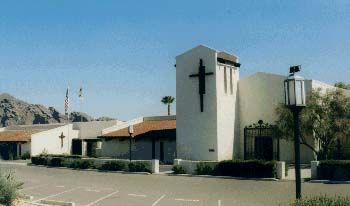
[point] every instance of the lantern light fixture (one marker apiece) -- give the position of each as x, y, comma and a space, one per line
294, 89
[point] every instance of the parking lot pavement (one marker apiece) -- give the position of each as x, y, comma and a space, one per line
86, 188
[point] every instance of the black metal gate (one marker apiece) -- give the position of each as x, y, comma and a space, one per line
261, 142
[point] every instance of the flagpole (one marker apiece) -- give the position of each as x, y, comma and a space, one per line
66, 108
81, 98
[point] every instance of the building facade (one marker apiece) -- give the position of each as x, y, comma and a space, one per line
219, 117
233, 118
152, 138
206, 108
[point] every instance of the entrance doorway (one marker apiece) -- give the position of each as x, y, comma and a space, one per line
76, 147
8, 150
91, 149
161, 151
263, 148
261, 141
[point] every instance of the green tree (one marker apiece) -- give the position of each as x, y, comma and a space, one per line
342, 85
325, 120
168, 100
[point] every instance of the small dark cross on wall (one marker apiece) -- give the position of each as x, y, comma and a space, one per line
201, 79
62, 137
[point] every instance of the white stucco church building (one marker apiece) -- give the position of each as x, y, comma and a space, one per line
218, 117
222, 117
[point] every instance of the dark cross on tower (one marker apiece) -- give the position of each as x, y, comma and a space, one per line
201, 79
61, 137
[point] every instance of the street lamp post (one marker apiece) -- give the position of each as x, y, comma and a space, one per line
294, 88
131, 131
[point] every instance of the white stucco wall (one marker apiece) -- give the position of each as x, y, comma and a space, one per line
25, 147
196, 131
89, 130
227, 112
50, 142
259, 95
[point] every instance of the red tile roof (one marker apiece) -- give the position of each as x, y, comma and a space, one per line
162, 128
17, 135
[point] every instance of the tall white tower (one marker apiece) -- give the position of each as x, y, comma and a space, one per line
206, 107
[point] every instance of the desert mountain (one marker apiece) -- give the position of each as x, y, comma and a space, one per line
17, 112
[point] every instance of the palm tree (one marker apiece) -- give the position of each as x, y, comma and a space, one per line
168, 100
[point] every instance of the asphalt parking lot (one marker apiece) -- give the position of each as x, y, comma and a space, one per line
87, 188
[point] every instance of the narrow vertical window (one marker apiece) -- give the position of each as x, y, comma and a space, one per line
225, 80
231, 82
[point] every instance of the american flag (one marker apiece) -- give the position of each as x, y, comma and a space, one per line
66, 103
81, 94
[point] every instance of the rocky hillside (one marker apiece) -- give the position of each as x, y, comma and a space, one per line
17, 112
80, 117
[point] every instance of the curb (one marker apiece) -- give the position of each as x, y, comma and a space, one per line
91, 170
329, 182
226, 177
13, 163
31, 203
59, 203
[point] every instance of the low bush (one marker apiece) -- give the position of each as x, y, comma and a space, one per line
138, 166
334, 170
204, 168
246, 168
85, 164
73, 164
56, 162
25, 156
81, 164
114, 166
8, 189
179, 169
39, 160
322, 201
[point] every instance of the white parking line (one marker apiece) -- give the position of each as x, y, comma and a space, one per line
186, 200
56, 194
92, 190
157, 201
219, 202
102, 198
136, 195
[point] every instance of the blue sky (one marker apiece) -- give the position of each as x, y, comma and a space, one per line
122, 52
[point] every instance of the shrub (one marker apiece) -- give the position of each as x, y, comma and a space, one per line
334, 169
8, 189
322, 201
85, 164
246, 168
73, 164
204, 168
39, 160
81, 164
179, 169
56, 162
114, 166
25, 156
138, 166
